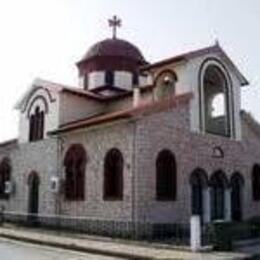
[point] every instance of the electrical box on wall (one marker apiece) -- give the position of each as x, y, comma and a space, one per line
55, 184
9, 187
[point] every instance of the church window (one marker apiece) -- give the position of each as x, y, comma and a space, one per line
218, 183
36, 125
166, 176
113, 175
216, 112
256, 182
5, 176
109, 78
75, 164
236, 185
198, 183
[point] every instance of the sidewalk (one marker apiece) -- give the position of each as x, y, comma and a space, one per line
110, 247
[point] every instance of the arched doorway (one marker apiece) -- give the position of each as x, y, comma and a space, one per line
219, 184
236, 184
198, 182
33, 196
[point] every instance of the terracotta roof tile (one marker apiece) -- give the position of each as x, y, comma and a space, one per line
125, 114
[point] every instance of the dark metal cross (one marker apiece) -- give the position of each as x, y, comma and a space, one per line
114, 23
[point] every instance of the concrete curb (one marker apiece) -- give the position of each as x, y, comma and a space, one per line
78, 248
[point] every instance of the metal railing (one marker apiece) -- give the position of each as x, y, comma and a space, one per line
167, 233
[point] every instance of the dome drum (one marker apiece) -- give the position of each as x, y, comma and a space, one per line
114, 56
107, 63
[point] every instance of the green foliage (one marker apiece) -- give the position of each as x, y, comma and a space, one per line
220, 236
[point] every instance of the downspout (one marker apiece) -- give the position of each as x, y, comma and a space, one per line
136, 100
134, 171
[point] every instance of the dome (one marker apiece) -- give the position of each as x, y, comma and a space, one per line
115, 48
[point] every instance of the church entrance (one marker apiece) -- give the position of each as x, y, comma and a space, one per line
33, 197
236, 196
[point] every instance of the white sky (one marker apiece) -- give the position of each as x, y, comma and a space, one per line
45, 39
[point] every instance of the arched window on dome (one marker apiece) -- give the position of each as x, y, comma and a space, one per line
5, 176
75, 165
135, 79
166, 176
113, 175
36, 125
109, 78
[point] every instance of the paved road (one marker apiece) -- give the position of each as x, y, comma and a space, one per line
12, 250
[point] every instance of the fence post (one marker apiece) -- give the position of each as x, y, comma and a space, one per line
195, 233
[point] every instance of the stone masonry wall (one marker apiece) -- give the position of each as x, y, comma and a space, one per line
97, 142
170, 130
41, 157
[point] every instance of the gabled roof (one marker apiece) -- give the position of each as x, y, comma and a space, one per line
196, 53
52, 87
252, 123
9, 144
124, 114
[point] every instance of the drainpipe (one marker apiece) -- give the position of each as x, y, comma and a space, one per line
133, 183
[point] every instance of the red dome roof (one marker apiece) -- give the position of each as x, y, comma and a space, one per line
115, 48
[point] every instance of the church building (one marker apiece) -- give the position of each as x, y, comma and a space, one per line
135, 142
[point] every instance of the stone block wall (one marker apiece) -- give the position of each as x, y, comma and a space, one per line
40, 157
170, 130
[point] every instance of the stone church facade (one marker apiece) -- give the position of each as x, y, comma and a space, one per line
136, 142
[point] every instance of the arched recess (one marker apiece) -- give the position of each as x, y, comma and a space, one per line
75, 165
255, 178
165, 84
5, 176
216, 99
237, 184
113, 175
218, 183
198, 182
33, 196
166, 176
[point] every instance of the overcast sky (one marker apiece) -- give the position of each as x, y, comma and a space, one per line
44, 38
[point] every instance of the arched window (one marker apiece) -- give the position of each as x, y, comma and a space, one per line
218, 183
36, 125
33, 196
75, 164
215, 103
198, 182
109, 78
256, 182
165, 84
166, 176
236, 184
113, 175
5, 176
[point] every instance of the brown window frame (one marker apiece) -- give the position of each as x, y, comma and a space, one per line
75, 166
113, 175
166, 176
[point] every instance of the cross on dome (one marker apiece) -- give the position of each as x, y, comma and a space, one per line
114, 23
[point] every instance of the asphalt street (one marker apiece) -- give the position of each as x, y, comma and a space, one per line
13, 250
